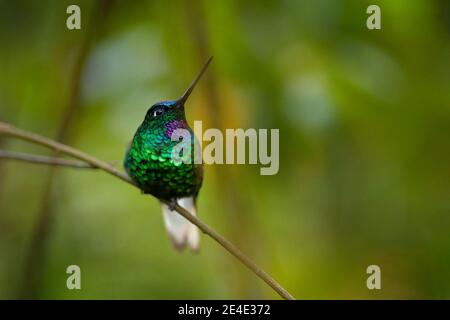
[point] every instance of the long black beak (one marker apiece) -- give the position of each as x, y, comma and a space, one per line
191, 87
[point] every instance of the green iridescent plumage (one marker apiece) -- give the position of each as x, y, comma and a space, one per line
163, 161
149, 161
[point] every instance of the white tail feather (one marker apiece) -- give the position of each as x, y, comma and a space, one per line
181, 231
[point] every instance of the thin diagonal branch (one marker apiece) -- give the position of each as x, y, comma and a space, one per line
50, 161
12, 131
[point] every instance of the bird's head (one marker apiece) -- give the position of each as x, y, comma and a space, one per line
166, 111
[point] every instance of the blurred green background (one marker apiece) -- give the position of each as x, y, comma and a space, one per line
364, 119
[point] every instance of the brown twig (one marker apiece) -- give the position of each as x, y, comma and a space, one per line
12, 131
35, 259
50, 161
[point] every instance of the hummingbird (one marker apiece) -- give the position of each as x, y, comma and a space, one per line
150, 164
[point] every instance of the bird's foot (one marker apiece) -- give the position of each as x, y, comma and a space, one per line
172, 204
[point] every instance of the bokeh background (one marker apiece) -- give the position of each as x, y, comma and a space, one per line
364, 119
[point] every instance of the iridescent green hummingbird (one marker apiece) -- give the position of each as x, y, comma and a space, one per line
150, 163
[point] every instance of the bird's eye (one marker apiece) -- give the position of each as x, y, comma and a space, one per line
158, 112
